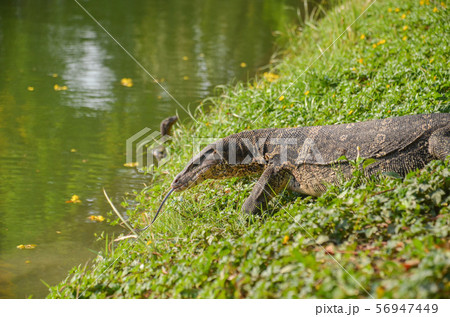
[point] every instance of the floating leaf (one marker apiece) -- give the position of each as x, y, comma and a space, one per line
131, 164
30, 88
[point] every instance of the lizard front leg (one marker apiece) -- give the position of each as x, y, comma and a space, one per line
269, 185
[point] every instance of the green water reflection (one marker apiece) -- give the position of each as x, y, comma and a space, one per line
54, 144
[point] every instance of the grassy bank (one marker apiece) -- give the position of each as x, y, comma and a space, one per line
391, 236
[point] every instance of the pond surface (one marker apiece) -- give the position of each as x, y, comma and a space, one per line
65, 117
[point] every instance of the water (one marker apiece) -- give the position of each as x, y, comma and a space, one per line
59, 143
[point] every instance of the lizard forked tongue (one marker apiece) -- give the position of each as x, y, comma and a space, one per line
162, 203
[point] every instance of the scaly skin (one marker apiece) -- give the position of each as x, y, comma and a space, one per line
305, 159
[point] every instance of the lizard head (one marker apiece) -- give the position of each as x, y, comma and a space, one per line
167, 124
235, 155
205, 165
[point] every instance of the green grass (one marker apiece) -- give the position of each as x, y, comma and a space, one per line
390, 235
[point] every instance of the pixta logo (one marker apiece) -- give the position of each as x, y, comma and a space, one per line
146, 149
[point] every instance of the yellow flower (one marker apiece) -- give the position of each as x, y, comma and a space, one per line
443, 5
434, 78
186, 78
362, 37
360, 60
73, 150
185, 58
127, 82
381, 42
131, 164
380, 291
270, 77
30, 88
293, 104
350, 112
435, 9
374, 45
149, 242
405, 28
334, 95
422, 2
397, 9
97, 218
57, 87
75, 199
389, 9
403, 16
285, 239
27, 261
281, 98
307, 93
243, 65
432, 60
26, 246
54, 75
404, 38
387, 86
354, 68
